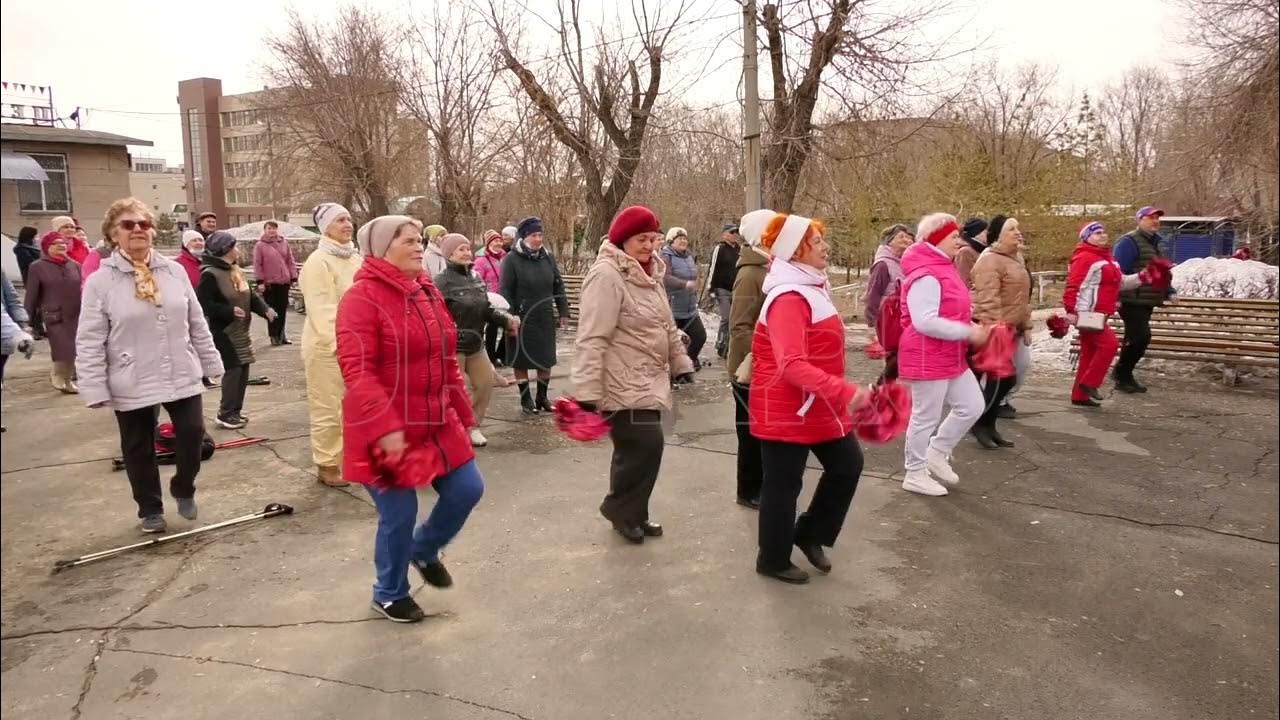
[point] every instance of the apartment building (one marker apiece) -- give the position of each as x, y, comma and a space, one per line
161, 186
227, 146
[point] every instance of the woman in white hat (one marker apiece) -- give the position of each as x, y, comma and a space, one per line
326, 275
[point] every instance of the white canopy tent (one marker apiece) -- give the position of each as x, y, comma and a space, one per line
20, 166
253, 231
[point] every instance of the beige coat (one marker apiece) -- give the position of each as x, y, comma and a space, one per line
1002, 290
628, 346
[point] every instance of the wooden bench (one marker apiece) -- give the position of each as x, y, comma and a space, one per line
1236, 333
573, 293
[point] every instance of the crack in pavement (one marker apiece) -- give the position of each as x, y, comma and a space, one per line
178, 626
337, 681
90, 672
1135, 521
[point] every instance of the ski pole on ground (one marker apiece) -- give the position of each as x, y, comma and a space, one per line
271, 510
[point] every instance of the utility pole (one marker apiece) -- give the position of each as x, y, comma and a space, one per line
751, 107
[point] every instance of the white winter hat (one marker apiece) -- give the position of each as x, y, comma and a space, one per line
326, 213
753, 224
676, 232
189, 236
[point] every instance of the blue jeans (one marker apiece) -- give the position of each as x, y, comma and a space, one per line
397, 540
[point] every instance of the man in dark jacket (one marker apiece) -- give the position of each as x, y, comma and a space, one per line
724, 268
1133, 252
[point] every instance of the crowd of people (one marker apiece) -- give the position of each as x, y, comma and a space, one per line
407, 326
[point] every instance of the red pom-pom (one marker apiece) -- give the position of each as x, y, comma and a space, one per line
995, 358
885, 414
578, 423
1158, 273
418, 467
875, 350
1059, 326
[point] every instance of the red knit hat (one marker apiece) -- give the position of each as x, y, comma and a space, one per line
632, 221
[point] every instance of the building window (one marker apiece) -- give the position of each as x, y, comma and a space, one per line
242, 143
195, 138
240, 118
52, 195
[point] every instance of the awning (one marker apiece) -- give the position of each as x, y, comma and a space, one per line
19, 166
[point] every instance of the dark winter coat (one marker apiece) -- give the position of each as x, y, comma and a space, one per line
219, 298
53, 295
531, 282
468, 302
26, 255
681, 268
397, 351
724, 265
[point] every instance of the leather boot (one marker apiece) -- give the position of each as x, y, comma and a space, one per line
526, 399
542, 403
330, 475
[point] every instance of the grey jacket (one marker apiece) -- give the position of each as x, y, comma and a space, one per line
131, 354
681, 268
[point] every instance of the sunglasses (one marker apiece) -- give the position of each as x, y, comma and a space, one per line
129, 225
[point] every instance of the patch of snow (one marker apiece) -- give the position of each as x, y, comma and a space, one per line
1226, 278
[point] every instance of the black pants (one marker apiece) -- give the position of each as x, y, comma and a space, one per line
495, 342
234, 384
277, 297
750, 471
692, 326
994, 391
633, 471
1137, 336
138, 445
784, 465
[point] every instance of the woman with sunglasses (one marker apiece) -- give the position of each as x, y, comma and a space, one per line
53, 296
143, 343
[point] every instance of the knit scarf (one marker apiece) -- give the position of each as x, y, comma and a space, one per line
144, 283
337, 249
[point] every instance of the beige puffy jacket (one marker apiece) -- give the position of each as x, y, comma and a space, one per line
628, 346
1002, 290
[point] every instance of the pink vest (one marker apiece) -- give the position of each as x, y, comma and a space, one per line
921, 357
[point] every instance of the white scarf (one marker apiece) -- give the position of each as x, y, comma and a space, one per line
335, 248
811, 284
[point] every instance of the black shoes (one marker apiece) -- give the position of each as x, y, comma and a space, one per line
404, 610
1126, 384
749, 503
790, 574
527, 406
232, 422
1086, 403
434, 574
1092, 392
817, 557
633, 533
983, 435
542, 403
1000, 441
651, 529
1006, 412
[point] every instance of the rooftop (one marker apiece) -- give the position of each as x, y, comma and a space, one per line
39, 133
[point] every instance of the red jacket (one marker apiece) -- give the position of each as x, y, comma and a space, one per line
191, 264
1093, 280
396, 350
77, 250
793, 358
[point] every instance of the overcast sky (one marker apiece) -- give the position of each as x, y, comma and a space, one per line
125, 58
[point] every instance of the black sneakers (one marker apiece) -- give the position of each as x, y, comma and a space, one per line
404, 610
434, 574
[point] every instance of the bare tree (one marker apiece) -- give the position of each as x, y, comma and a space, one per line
335, 109
448, 86
1133, 115
614, 97
849, 54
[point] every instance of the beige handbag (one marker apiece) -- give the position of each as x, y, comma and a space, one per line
1091, 321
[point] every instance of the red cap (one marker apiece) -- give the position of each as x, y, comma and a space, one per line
630, 222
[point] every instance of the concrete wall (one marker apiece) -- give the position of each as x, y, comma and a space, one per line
98, 175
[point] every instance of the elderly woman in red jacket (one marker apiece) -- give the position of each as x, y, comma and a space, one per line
800, 402
406, 412
1094, 282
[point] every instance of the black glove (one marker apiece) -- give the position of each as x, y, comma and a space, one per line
588, 406
684, 379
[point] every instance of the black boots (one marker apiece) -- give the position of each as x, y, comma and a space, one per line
526, 400
1126, 383
817, 557
542, 404
989, 438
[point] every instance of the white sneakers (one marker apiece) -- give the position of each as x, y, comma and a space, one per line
477, 438
940, 467
920, 483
